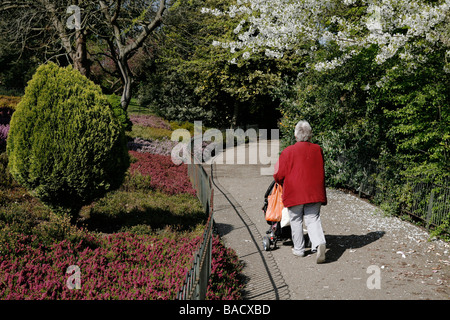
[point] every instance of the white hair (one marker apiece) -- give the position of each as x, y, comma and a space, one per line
303, 131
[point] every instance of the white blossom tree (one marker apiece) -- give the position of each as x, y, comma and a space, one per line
403, 28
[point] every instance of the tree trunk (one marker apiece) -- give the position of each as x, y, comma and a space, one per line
125, 49
79, 56
235, 116
126, 78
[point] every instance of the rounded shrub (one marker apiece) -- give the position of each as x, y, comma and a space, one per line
65, 145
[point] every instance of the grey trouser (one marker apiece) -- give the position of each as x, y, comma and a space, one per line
311, 213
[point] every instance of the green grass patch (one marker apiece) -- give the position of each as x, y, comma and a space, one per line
121, 211
135, 108
149, 133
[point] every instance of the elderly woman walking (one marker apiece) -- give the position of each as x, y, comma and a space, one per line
300, 169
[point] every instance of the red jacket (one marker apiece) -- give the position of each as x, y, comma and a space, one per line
300, 170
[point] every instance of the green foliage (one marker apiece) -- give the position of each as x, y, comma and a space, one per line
65, 144
23, 215
417, 106
442, 230
18, 64
120, 114
333, 102
378, 125
175, 125
135, 206
193, 80
6, 180
149, 133
121, 210
10, 102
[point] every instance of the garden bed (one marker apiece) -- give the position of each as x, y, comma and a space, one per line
135, 243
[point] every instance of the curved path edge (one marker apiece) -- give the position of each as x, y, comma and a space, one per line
264, 280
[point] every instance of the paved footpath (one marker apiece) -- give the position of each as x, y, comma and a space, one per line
369, 255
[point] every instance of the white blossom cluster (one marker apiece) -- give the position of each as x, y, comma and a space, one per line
336, 62
395, 26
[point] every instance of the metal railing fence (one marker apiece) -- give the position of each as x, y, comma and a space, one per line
429, 202
197, 278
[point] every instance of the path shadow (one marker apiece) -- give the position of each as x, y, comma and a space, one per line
147, 216
337, 244
223, 228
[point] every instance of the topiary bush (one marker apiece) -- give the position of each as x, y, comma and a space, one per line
65, 145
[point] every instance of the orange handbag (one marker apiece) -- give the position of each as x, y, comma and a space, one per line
275, 204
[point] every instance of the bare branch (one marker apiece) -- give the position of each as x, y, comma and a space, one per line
147, 29
117, 11
8, 5
59, 26
113, 21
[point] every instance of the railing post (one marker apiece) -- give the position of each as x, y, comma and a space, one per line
430, 208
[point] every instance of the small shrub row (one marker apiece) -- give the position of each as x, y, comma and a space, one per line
149, 133
9, 101
183, 125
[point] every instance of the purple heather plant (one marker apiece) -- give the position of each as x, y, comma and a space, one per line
4, 129
165, 175
123, 266
162, 147
150, 121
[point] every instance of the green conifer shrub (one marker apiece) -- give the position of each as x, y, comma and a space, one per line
65, 144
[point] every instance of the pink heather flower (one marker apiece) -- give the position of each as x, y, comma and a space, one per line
165, 175
150, 121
